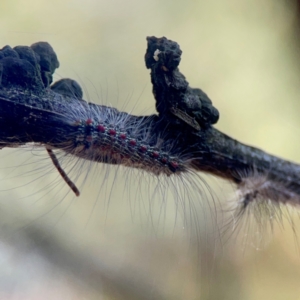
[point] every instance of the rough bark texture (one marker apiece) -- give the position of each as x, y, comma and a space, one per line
34, 111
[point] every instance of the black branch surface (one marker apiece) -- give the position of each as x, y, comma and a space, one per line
34, 111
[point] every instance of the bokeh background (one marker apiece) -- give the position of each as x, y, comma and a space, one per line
124, 238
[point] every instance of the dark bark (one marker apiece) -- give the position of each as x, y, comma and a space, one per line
33, 111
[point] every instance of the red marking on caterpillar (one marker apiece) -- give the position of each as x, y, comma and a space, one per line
164, 160
89, 121
123, 136
100, 127
112, 132
143, 148
174, 164
155, 154
132, 142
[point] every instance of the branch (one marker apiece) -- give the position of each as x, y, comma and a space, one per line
179, 139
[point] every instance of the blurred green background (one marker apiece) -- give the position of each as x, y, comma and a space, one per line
245, 56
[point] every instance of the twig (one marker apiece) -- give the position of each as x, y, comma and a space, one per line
58, 118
